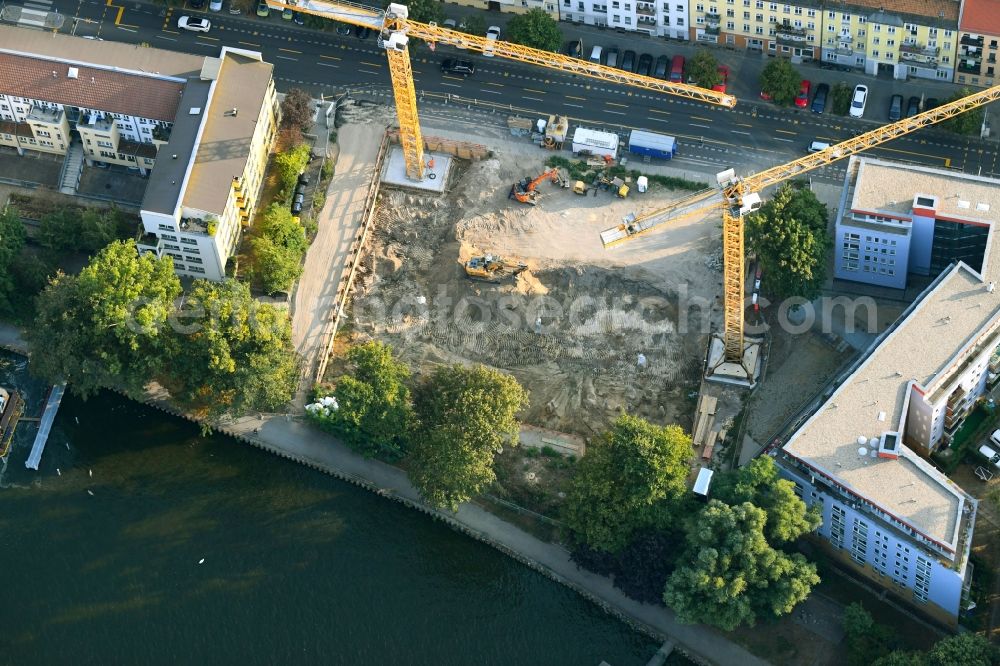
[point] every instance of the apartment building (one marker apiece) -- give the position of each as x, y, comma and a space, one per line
204, 188
513, 6
54, 104
779, 28
978, 36
663, 18
898, 219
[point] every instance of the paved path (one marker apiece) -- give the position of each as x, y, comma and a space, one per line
298, 441
339, 224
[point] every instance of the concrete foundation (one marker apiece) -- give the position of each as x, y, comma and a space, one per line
744, 373
435, 177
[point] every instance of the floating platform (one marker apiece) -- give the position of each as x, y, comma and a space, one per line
45, 426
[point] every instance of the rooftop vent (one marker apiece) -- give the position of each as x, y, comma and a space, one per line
925, 201
232, 112
888, 446
54, 74
73, 73
862, 451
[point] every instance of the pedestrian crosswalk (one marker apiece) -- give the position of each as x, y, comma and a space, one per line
33, 14
39, 5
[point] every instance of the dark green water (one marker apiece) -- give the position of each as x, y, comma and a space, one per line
299, 568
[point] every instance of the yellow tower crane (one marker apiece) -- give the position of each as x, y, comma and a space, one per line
396, 30
739, 196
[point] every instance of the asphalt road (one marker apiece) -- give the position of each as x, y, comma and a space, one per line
752, 136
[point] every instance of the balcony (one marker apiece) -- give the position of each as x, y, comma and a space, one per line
146, 242
645, 9
968, 67
914, 52
708, 35
646, 20
195, 225
969, 40
44, 115
844, 50
792, 36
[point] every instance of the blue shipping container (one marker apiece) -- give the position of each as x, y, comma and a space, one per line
655, 145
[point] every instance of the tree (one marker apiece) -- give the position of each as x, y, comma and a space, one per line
788, 235
780, 80
465, 415
11, 243
278, 249
228, 353
730, 576
105, 327
969, 122
297, 109
374, 414
841, 95
622, 482
966, 649
759, 483
901, 658
704, 69
58, 230
866, 640
424, 11
289, 164
535, 29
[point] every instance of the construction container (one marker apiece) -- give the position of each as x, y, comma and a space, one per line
660, 146
593, 142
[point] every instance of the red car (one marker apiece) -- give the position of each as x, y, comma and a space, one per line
724, 74
802, 99
765, 96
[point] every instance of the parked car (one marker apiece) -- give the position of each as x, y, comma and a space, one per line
645, 64
595, 55
362, 33
297, 204
450, 24
263, 10
492, 34
343, 29
287, 14
573, 48
628, 61
662, 66
895, 108
612, 56
724, 76
858, 101
835, 66
676, 69
194, 24
802, 99
303, 179
459, 67
817, 146
765, 96
299, 18
819, 99
913, 107
215, 5
197, 4
931, 103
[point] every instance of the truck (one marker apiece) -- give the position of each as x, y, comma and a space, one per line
660, 146
593, 142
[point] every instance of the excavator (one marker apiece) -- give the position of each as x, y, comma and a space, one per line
489, 268
525, 191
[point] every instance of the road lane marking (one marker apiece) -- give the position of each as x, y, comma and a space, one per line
624, 106
453, 85
170, 39
739, 132
281, 56
778, 138
327, 64
576, 106
665, 113
289, 50
786, 132
370, 64
697, 125
492, 92
321, 55
743, 125
258, 45
214, 39
582, 99
452, 78
617, 113
368, 71
498, 85
707, 120
533, 99
540, 92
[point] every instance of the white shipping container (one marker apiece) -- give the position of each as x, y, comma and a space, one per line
595, 142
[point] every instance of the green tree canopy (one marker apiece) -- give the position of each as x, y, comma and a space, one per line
297, 109
970, 122
866, 641
278, 248
424, 11
374, 414
730, 575
703, 69
11, 242
105, 327
289, 164
841, 94
228, 353
465, 415
536, 29
71, 229
759, 483
966, 649
780, 80
623, 481
788, 235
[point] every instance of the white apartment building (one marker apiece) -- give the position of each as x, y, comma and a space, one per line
205, 185
663, 18
886, 511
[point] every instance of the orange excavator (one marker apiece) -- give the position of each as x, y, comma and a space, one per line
525, 191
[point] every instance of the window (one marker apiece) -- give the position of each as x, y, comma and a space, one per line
196, 269
168, 236
166, 227
746, 27
730, 13
628, 20
746, 17
891, 42
730, 25
760, 31
759, 18
193, 260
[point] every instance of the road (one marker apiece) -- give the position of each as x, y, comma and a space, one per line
753, 136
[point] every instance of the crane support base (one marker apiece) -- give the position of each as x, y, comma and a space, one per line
437, 166
744, 372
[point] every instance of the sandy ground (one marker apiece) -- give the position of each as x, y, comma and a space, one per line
599, 309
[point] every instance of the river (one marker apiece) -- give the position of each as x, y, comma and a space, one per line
102, 561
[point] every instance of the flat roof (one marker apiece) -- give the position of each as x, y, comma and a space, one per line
891, 188
224, 147
938, 331
116, 55
166, 180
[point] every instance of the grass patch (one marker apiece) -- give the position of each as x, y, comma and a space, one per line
580, 170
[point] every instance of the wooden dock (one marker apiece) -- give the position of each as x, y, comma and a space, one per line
45, 426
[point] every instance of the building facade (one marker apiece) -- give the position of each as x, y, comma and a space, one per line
663, 18
204, 190
779, 28
109, 115
900, 219
978, 39
550, 7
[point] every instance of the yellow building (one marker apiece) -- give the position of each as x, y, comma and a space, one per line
978, 37
903, 38
778, 28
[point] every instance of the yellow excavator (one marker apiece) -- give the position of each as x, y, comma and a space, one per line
525, 191
489, 268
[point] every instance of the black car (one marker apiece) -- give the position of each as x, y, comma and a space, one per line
628, 61
931, 103
343, 29
459, 67
297, 203
819, 99
895, 108
662, 67
364, 33
913, 106
303, 179
197, 4
574, 49
645, 64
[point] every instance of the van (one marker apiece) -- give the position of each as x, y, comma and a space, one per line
595, 55
677, 69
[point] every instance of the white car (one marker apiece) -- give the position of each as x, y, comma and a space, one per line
194, 24
492, 34
858, 101
215, 5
